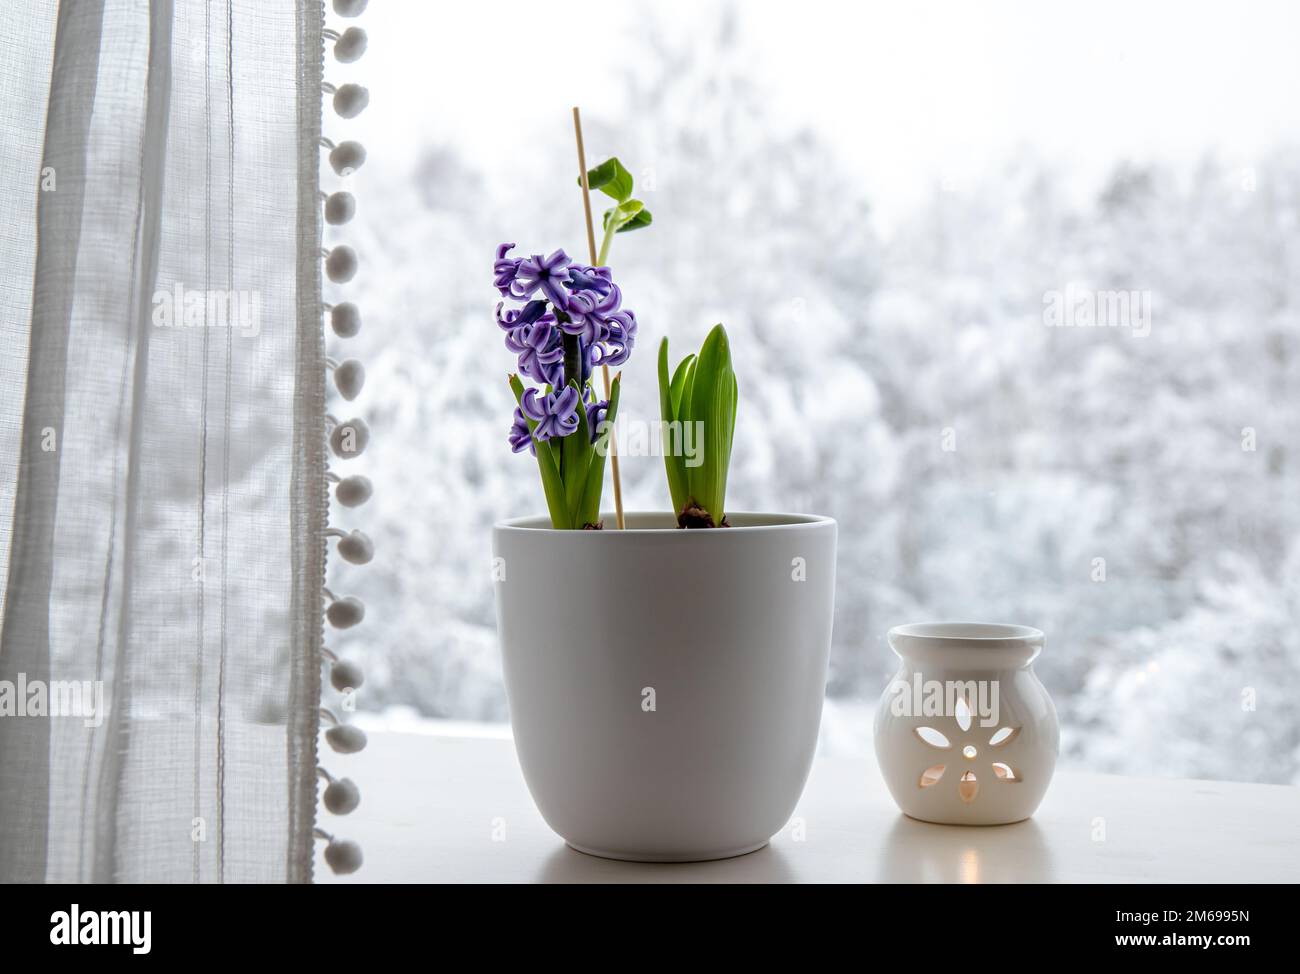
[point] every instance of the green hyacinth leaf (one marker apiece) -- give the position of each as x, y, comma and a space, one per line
665, 384
552, 485
642, 219
675, 465
713, 398
576, 453
611, 179
681, 385
735, 403
589, 511
620, 215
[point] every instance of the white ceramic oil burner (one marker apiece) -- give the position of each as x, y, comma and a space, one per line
965, 733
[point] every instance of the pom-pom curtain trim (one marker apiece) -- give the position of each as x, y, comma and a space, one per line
310, 489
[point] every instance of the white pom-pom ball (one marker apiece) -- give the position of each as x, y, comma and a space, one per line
346, 739
347, 157
340, 208
341, 264
357, 548
345, 319
346, 612
346, 675
349, 377
351, 100
343, 856
354, 491
341, 796
350, 439
350, 45
350, 8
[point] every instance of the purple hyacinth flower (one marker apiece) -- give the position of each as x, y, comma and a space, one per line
531, 312
520, 438
603, 273
540, 350
596, 412
559, 301
504, 269
556, 414
589, 313
609, 304
583, 320
552, 372
547, 273
620, 335
589, 279
509, 320
587, 355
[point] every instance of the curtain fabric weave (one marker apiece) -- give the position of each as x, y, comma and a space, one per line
162, 491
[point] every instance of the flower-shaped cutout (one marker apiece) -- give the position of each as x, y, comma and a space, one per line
967, 751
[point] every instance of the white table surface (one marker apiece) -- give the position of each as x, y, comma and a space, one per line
449, 809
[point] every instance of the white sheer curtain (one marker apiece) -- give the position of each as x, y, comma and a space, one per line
162, 491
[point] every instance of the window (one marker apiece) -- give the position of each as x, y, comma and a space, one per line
1032, 339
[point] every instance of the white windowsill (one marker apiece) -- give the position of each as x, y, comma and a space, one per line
430, 804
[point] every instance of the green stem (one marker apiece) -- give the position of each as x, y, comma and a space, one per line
572, 361
608, 239
572, 375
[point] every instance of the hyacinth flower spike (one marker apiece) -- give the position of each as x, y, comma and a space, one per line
571, 317
561, 319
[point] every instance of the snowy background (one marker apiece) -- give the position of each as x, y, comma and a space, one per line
875, 201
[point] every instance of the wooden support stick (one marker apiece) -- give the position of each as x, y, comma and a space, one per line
591, 247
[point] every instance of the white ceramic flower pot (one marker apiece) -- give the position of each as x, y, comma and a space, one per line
665, 685
987, 755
